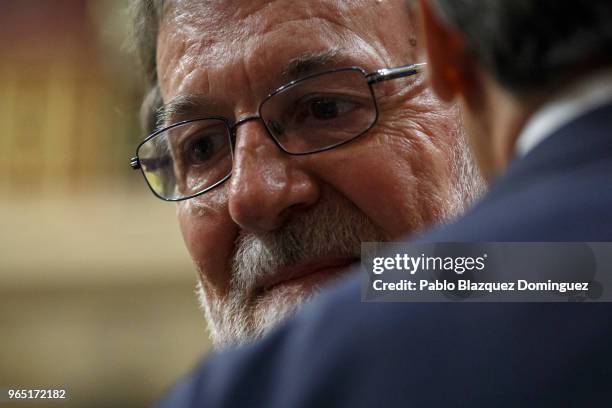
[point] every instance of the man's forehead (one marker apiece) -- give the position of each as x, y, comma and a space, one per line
240, 9
280, 39
238, 19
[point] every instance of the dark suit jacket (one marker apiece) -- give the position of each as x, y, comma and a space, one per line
339, 352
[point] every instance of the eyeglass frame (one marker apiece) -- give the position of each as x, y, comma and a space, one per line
372, 78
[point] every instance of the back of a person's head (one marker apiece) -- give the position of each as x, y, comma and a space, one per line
533, 45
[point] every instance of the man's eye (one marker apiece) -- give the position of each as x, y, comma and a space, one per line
321, 109
328, 108
201, 149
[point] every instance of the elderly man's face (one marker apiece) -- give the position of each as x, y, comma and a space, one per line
283, 225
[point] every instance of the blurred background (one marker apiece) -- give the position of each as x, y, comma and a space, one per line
96, 288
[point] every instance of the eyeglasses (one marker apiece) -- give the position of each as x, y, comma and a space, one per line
309, 115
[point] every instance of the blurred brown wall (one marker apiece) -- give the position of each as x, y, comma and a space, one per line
96, 288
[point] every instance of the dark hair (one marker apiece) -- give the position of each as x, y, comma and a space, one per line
533, 45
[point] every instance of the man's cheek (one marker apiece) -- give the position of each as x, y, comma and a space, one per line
411, 174
425, 142
384, 190
209, 237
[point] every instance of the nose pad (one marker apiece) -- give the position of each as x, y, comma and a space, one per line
267, 186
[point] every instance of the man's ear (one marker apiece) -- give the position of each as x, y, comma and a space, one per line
446, 55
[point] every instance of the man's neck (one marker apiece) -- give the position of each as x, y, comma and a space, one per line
502, 117
573, 101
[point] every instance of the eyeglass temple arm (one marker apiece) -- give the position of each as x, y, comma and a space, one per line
386, 74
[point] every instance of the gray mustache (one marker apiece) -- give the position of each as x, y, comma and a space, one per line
331, 228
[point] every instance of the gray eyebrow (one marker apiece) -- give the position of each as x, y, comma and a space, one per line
311, 62
183, 106
188, 106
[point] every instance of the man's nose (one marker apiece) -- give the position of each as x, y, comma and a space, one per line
267, 185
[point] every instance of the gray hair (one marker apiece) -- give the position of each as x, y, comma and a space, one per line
146, 16
533, 45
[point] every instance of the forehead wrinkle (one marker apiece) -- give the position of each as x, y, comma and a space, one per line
236, 21
220, 19
183, 43
335, 46
229, 24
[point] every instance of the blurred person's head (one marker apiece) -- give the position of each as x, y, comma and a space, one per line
502, 60
282, 225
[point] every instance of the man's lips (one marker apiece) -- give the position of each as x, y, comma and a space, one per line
315, 271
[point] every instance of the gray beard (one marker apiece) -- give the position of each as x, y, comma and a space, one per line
331, 229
